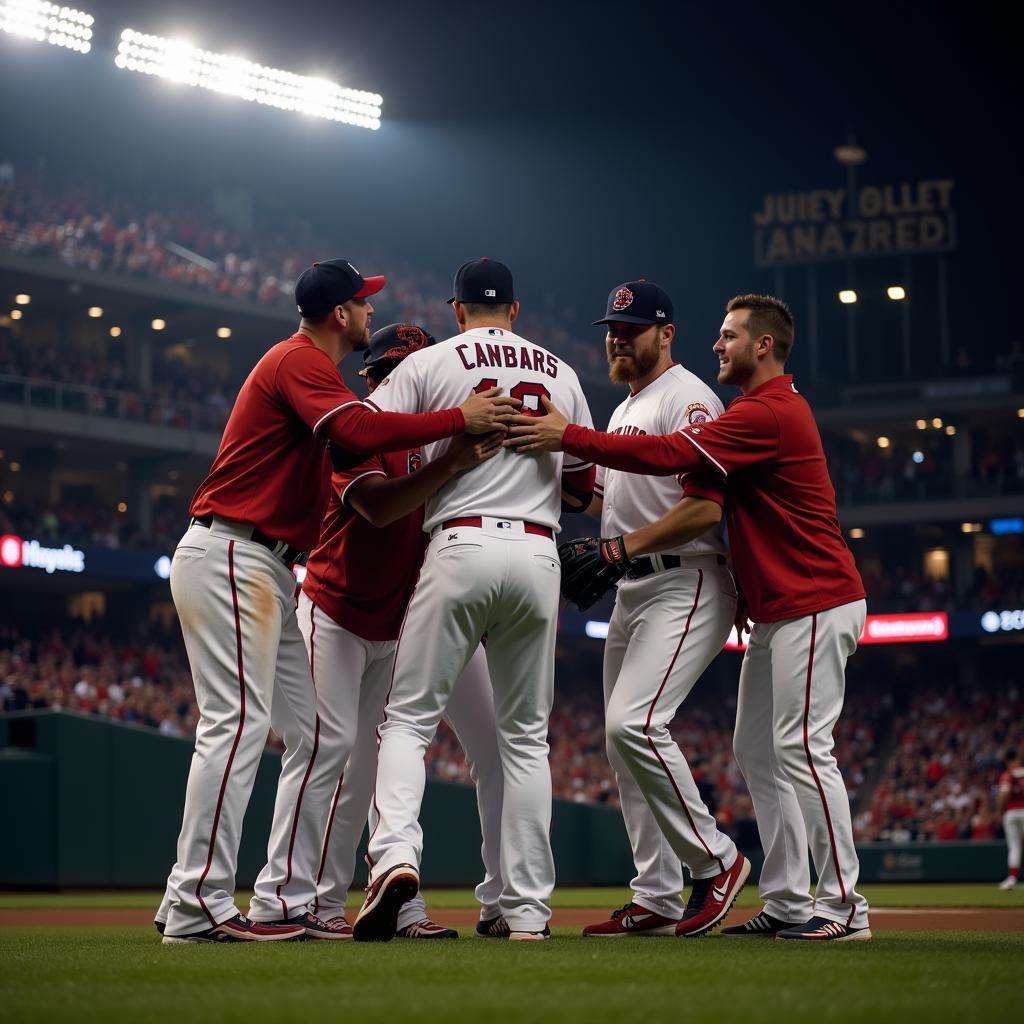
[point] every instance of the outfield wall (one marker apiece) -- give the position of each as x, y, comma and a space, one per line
92, 803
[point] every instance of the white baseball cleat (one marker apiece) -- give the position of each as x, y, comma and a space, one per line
1009, 882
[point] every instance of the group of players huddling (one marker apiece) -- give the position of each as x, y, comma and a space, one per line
432, 589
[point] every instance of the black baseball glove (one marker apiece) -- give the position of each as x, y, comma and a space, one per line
591, 566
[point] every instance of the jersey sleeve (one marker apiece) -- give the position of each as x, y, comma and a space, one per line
581, 415
401, 390
312, 386
747, 433
1005, 783
343, 480
709, 486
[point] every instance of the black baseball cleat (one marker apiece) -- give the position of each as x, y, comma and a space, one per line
316, 928
762, 926
239, 929
377, 920
495, 928
821, 929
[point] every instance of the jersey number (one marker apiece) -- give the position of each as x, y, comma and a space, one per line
527, 393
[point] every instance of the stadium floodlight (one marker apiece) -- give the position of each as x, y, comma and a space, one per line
115, 331
95, 312
1020, 414
896, 292
180, 61
922, 424
950, 430
47, 23
158, 324
22, 299
856, 533
16, 314
224, 332
847, 296
937, 423
883, 442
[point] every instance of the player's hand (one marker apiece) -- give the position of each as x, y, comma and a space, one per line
742, 620
537, 433
468, 452
488, 411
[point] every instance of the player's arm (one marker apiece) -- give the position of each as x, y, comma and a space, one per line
310, 384
746, 434
1003, 796
382, 500
680, 524
578, 487
363, 430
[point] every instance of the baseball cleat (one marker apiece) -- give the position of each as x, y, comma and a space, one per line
495, 928
377, 920
711, 898
426, 929
630, 920
240, 929
1008, 883
821, 929
315, 928
544, 933
762, 926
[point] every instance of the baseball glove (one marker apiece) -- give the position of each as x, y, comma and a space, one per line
591, 566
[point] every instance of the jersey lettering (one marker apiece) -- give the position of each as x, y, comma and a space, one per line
631, 431
509, 356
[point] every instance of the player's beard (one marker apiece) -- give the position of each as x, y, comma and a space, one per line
644, 360
738, 370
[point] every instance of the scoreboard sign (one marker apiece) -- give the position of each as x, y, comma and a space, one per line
887, 220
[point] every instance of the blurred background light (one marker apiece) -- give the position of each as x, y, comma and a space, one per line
47, 23
847, 296
177, 60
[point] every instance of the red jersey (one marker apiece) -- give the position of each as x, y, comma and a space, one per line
787, 547
1011, 782
359, 574
271, 469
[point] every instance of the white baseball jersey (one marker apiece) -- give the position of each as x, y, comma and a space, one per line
509, 486
676, 399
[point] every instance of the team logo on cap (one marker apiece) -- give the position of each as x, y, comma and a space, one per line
697, 413
623, 298
412, 338
415, 461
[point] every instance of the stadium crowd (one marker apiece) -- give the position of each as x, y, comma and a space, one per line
941, 746
939, 782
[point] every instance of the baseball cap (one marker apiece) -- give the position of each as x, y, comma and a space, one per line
483, 280
638, 302
393, 343
330, 283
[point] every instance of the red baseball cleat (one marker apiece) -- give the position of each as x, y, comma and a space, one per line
630, 920
377, 920
711, 898
240, 929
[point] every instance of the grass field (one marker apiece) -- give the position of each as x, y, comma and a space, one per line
124, 974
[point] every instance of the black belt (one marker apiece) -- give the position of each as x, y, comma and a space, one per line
285, 552
642, 567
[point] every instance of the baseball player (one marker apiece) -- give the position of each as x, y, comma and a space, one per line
232, 584
356, 589
1011, 807
673, 613
490, 567
799, 584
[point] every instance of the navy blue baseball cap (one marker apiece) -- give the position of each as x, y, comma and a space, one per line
638, 302
331, 283
391, 344
483, 280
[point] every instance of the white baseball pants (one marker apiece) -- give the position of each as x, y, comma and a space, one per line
1013, 827
792, 684
499, 580
236, 605
664, 632
352, 678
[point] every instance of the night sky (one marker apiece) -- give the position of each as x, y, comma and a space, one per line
581, 143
